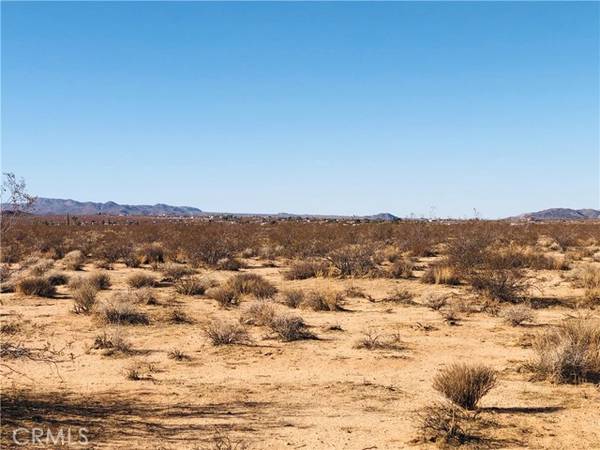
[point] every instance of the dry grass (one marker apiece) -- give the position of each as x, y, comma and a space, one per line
372, 340
323, 301
516, 315
441, 274
84, 298
465, 384
302, 270
41, 267
139, 280
259, 313
37, 286
289, 327
173, 272
121, 312
74, 260
434, 301
446, 424
231, 264
113, 342
191, 286
226, 333
251, 284
225, 296
568, 353
402, 268
292, 297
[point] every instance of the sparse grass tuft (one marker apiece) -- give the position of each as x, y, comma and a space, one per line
372, 340
465, 384
226, 333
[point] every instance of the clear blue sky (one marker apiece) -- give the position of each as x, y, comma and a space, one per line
349, 108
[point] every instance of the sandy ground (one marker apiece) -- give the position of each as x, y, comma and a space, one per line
313, 394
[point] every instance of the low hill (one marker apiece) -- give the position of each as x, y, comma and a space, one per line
561, 214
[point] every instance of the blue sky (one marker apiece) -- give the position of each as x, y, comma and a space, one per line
341, 108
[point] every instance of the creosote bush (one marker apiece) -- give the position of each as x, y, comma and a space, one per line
121, 312
226, 333
151, 253
441, 274
402, 268
353, 261
57, 278
568, 353
37, 286
225, 296
139, 280
232, 264
302, 270
173, 272
259, 313
290, 327
465, 384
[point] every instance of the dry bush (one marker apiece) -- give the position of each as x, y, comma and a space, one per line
323, 301
501, 285
74, 260
516, 315
178, 316
434, 300
132, 260
139, 280
292, 297
258, 313
355, 292
191, 286
590, 277
353, 261
84, 298
568, 353
452, 313
402, 268
226, 296
113, 342
251, 284
144, 296
290, 327
151, 253
100, 280
232, 264
104, 264
441, 274
302, 270
38, 286
465, 384
121, 312
400, 296
10, 328
173, 272
57, 278
41, 267
446, 424
372, 340
226, 333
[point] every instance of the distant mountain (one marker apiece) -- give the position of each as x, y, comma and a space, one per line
561, 214
384, 217
55, 206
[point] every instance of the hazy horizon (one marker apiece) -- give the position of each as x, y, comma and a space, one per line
305, 108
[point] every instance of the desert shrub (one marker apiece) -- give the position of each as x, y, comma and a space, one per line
38, 286
258, 313
100, 280
251, 284
446, 423
225, 296
173, 272
144, 296
113, 341
568, 353
516, 315
5, 273
10, 328
302, 270
120, 312
56, 278
226, 333
104, 264
441, 274
451, 313
323, 301
132, 260
151, 253
400, 296
501, 285
372, 340
590, 277
84, 298
353, 261
178, 316
402, 268
465, 384
41, 267
74, 260
292, 297
232, 264
290, 327
191, 286
139, 280
434, 301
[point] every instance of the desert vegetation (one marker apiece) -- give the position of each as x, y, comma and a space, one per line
370, 335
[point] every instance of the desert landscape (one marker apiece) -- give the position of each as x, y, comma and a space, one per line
248, 333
